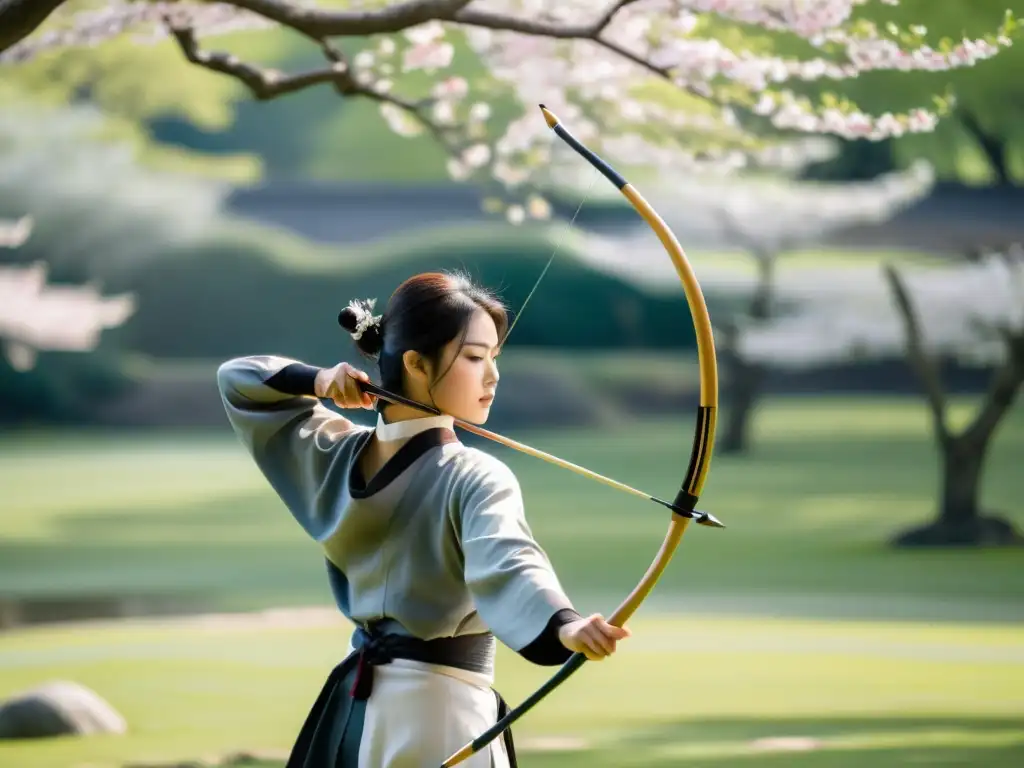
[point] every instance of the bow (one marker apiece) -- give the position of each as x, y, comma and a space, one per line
683, 507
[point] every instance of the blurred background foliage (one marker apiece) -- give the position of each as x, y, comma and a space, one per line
185, 112
819, 646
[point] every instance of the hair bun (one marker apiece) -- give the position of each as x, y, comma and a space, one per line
358, 319
348, 319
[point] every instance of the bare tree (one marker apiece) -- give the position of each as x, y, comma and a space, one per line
644, 81
971, 311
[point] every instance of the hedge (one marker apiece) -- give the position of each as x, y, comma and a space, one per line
248, 289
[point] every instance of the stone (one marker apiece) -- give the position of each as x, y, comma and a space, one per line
59, 708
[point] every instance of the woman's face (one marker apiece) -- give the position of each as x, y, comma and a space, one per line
467, 389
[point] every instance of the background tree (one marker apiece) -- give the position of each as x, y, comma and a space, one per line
971, 311
96, 210
766, 215
81, 216
35, 317
661, 87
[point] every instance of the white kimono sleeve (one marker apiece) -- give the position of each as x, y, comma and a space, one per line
514, 586
295, 441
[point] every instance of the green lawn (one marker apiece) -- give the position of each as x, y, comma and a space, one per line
892, 693
808, 517
794, 629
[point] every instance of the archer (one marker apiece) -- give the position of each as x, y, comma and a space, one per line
427, 547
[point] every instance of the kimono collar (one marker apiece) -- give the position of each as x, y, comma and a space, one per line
401, 430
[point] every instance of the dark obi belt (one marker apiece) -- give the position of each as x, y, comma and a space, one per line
330, 736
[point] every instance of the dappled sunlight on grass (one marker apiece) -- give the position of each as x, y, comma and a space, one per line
808, 512
689, 688
794, 638
133, 475
846, 742
853, 418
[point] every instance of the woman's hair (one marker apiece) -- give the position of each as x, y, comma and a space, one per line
424, 314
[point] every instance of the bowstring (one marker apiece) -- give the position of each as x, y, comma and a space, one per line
551, 258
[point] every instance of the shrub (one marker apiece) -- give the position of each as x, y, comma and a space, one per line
248, 289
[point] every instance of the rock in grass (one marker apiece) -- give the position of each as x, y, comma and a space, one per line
60, 708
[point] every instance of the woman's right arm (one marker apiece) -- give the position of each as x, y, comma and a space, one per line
272, 404
514, 586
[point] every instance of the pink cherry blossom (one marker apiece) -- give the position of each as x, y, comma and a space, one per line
609, 82
37, 316
429, 56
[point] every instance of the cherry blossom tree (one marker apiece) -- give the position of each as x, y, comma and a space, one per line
35, 315
766, 216
970, 310
96, 209
80, 209
649, 83
38, 316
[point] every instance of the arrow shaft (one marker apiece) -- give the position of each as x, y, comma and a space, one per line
526, 449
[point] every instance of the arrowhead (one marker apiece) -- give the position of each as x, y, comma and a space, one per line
706, 518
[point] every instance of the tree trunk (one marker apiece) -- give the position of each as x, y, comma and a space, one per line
745, 379
960, 520
744, 387
962, 462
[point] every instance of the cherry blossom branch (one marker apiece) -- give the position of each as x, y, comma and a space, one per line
417, 111
319, 23
536, 47
19, 18
22, 17
526, 26
689, 64
270, 83
264, 84
267, 84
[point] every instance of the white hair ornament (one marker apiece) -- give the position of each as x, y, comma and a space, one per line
363, 309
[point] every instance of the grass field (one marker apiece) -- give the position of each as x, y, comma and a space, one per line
793, 638
825, 694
